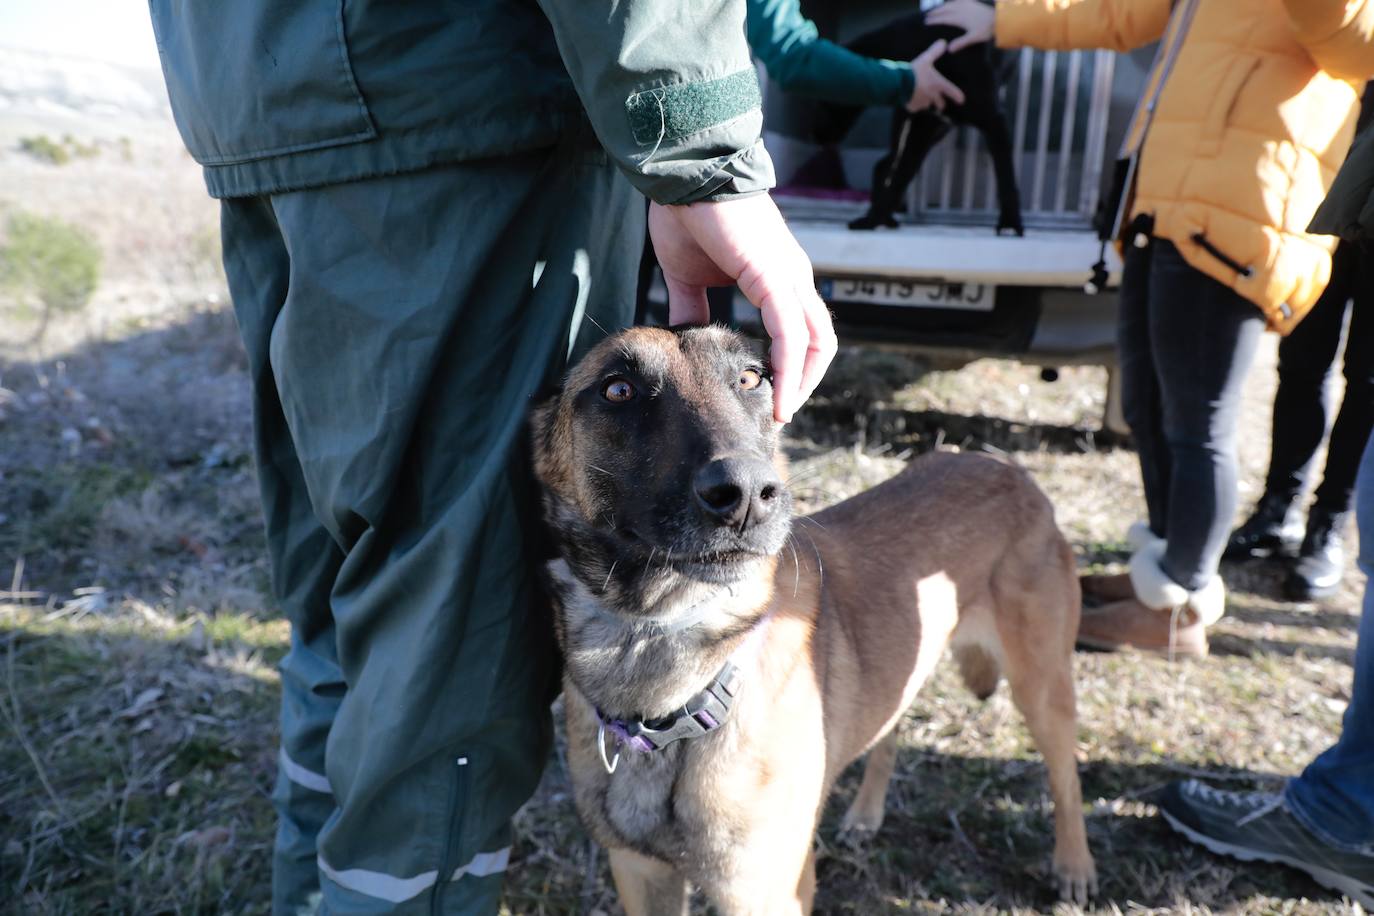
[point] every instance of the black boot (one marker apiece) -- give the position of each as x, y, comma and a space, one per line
1274, 527
1321, 560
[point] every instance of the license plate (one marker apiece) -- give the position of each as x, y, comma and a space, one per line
972, 297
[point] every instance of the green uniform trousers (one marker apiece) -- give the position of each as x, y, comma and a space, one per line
398, 330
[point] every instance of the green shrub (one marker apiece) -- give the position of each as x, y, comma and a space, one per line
51, 261
59, 152
42, 148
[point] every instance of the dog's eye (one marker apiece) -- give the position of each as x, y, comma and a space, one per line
618, 391
750, 378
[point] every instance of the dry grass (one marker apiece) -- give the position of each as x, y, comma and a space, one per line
137, 760
138, 697
136, 679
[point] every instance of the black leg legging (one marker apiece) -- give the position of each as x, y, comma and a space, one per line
1185, 343
1306, 357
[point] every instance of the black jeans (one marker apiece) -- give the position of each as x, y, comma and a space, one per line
1306, 357
1186, 342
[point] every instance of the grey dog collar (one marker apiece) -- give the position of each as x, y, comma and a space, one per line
705, 712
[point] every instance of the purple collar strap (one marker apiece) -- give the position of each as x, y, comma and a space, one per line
703, 713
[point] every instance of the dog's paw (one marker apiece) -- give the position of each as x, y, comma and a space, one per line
855, 837
873, 221
1077, 880
1018, 231
858, 826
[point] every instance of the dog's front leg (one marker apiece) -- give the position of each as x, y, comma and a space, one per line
648, 887
773, 878
913, 137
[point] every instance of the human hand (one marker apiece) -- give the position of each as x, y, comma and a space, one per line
745, 241
975, 18
932, 89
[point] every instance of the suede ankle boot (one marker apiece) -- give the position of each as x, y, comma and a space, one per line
1160, 616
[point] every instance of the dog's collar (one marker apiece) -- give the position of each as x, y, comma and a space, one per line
702, 714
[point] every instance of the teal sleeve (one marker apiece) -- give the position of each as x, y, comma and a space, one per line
671, 93
800, 61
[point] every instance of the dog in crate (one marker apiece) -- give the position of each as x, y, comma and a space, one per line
979, 70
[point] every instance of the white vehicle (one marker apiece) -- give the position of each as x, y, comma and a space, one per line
944, 283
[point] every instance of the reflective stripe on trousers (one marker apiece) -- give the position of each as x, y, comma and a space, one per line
398, 890
302, 776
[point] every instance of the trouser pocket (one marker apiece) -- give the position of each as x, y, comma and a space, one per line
456, 852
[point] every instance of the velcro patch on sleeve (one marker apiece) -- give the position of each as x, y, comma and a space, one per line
669, 112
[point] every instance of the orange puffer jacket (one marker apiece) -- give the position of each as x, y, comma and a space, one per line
1256, 114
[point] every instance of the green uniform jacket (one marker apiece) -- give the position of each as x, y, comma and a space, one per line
349, 89
799, 60
1348, 210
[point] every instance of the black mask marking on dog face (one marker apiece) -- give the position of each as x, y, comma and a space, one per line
659, 460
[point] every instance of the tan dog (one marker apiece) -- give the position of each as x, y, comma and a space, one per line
722, 668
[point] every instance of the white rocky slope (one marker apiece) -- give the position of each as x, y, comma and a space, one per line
37, 85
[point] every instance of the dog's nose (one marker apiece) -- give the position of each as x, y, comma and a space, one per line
737, 492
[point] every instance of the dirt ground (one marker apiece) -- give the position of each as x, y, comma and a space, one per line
138, 637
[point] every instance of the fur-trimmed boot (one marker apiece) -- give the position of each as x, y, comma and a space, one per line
1104, 588
1161, 616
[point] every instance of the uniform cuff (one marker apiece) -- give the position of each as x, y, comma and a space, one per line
745, 174
907, 87
694, 175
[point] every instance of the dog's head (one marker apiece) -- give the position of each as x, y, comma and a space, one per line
660, 465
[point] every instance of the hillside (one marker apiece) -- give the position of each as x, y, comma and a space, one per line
35, 85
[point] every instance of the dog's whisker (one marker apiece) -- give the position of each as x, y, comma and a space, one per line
816, 495
609, 573
810, 485
600, 470
820, 564
810, 521
796, 566
807, 474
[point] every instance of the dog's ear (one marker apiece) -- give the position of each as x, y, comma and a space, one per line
544, 445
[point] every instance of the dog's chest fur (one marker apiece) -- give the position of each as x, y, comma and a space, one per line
629, 670
662, 803
635, 805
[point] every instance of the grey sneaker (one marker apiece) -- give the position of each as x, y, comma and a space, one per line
1321, 559
1258, 825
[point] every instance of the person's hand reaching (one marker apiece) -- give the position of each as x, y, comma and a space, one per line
932, 89
745, 241
975, 18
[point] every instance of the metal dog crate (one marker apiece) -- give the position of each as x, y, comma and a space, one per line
1058, 103
1066, 110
